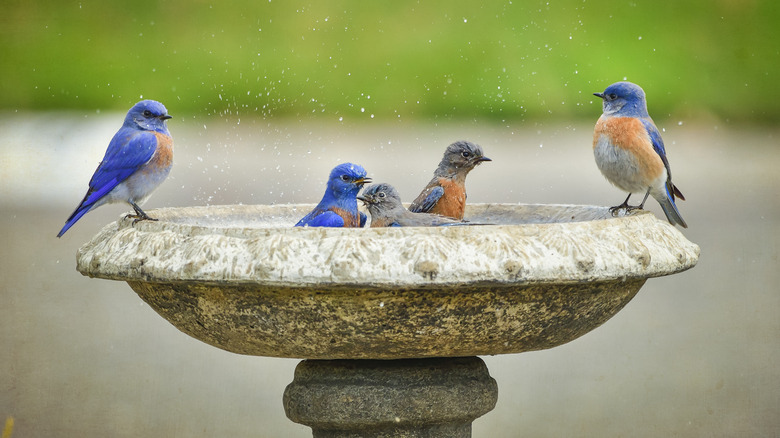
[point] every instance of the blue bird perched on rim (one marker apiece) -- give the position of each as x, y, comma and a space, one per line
138, 159
338, 207
384, 205
445, 194
630, 152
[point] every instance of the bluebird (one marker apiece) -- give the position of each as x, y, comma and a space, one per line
338, 207
139, 157
629, 150
384, 205
446, 193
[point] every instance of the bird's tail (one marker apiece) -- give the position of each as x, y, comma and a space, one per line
670, 208
80, 211
676, 192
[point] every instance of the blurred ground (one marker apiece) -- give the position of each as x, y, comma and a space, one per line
693, 354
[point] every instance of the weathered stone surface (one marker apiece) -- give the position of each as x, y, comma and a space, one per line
257, 244
378, 323
396, 398
242, 279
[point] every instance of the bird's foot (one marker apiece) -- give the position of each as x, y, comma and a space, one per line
625, 207
140, 217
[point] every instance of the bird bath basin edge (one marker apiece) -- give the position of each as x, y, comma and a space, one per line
241, 278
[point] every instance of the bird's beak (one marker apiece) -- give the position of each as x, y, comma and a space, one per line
165, 117
362, 181
365, 200
481, 159
601, 95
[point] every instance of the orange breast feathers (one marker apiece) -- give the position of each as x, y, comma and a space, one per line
163, 157
453, 202
629, 135
350, 220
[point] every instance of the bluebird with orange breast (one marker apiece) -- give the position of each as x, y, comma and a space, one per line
139, 157
338, 207
445, 194
629, 150
384, 205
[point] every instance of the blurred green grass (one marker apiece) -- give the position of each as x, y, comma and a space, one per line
359, 60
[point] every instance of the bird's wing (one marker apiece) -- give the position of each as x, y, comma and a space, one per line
363, 219
326, 219
425, 202
125, 155
658, 143
658, 147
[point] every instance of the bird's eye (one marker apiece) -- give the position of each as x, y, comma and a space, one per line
381, 194
147, 113
612, 96
344, 178
465, 154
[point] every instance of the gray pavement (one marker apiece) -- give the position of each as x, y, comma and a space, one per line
693, 354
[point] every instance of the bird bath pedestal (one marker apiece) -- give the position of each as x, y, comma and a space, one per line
390, 321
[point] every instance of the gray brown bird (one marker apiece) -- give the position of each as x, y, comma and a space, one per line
384, 205
445, 194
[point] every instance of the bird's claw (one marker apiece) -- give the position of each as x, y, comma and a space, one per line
627, 208
137, 218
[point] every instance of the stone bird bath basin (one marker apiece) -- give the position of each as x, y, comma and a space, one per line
390, 320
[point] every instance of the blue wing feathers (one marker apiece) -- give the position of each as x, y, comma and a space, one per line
427, 204
658, 146
80, 211
655, 137
124, 156
95, 193
325, 219
658, 143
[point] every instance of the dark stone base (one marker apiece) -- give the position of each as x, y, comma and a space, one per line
428, 398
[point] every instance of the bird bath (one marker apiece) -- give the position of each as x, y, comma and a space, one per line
388, 320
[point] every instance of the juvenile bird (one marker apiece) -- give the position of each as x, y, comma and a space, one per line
139, 157
629, 150
445, 194
338, 207
384, 205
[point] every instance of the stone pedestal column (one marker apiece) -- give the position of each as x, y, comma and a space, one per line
428, 398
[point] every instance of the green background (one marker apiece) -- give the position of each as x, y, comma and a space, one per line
364, 60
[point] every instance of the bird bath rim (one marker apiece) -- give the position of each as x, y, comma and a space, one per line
528, 243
